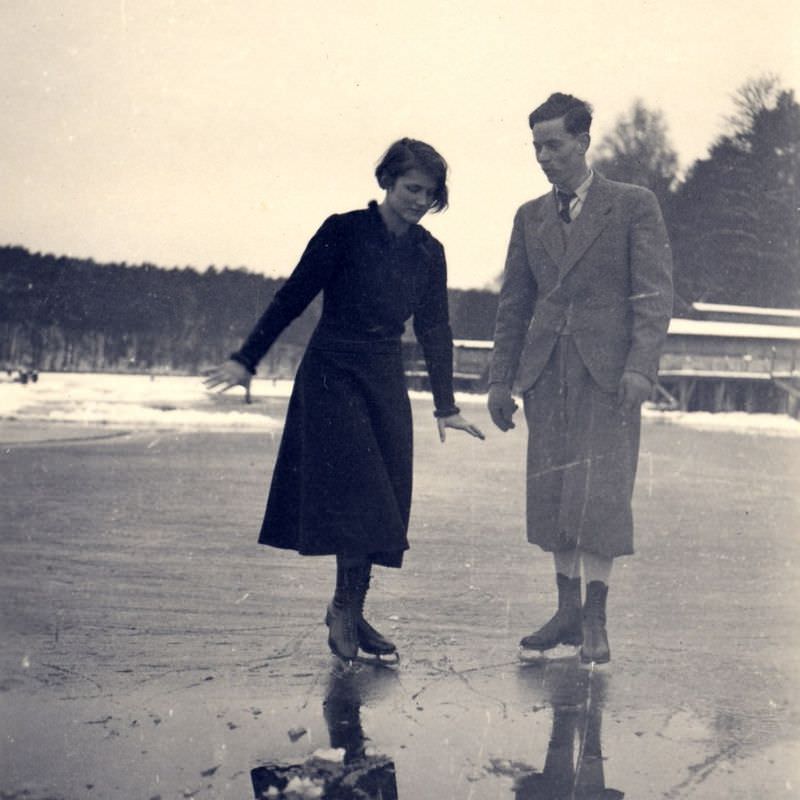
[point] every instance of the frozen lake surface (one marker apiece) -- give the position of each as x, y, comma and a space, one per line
151, 649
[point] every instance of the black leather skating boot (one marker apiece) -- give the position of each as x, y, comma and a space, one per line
595, 639
564, 627
342, 614
369, 640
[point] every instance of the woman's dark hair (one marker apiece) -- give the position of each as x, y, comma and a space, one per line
408, 154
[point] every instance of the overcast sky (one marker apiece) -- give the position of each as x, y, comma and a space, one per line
193, 133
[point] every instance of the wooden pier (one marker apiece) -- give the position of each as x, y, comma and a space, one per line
725, 358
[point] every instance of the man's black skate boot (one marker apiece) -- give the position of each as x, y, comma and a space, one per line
564, 627
342, 614
595, 647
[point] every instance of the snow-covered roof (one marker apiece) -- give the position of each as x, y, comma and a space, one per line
732, 330
692, 327
761, 311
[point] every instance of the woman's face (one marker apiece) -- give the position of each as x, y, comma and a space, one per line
410, 198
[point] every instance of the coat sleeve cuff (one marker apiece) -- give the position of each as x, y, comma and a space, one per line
240, 359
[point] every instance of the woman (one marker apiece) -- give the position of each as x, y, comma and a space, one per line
342, 480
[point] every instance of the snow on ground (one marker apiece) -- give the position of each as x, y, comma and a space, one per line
180, 401
135, 401
736, 421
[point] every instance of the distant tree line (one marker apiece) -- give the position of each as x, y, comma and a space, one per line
65, 313
60, 313
733, 221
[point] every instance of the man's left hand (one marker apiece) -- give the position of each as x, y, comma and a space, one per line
634, 389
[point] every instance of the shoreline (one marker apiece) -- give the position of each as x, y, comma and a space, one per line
92, 406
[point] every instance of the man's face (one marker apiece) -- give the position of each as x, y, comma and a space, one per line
561, 155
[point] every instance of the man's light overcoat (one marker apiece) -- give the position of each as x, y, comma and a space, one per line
606, 280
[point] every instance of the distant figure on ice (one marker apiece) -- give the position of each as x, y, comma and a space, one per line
583, 311
25, 375
342, 480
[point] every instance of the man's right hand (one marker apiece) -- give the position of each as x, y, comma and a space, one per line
501, 406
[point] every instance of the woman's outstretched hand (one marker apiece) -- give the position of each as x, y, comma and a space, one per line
227, 375
459, 423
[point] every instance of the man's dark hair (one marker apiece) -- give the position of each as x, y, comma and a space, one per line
577, 113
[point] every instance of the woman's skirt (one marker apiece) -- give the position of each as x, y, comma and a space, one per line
342, 479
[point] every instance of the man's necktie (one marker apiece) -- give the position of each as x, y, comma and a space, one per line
564, 200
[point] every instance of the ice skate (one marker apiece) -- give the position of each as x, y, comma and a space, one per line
562, 633
341, 616
595, 649
561, 652
377, 649
374, 648
342, 637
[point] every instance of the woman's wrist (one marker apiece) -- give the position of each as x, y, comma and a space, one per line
239, 359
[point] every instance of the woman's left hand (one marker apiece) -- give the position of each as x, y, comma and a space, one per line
459, 423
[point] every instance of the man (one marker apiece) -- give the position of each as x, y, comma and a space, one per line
583, 311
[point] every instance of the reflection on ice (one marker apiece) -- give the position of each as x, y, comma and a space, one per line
573, 764
351, 769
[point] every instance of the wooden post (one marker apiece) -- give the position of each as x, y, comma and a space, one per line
749, 398
685, 392
719, 396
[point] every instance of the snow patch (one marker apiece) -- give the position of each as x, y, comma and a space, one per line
730, 421
168, 401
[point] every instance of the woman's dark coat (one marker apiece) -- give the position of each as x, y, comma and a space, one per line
342, 480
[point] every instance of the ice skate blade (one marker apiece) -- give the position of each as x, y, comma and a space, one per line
559, 653
594, 665
388, 660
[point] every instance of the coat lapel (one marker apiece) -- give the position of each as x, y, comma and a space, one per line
594, 216
549, 229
